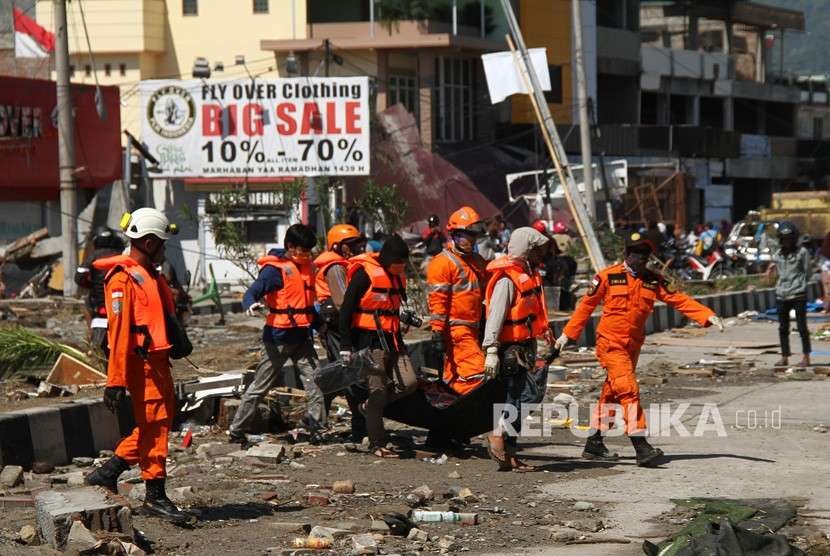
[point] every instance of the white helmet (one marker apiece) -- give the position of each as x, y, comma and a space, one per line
147, 221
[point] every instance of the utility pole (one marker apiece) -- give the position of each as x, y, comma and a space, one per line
66, 151
603, 178
584, 122
552, 140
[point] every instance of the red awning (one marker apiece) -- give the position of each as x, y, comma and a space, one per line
29, 138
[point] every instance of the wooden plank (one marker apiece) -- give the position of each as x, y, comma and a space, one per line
68, 371
702, 342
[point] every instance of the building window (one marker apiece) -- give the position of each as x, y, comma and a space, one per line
71, 71
190, 7
403, 89
554, 96
454, 95
122, 69
107, 69
88, 70
818, 128
260, 6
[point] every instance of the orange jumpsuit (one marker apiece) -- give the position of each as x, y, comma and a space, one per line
139, 360
455, 283
627, 301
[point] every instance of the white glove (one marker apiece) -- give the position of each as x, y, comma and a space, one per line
254, 309
716, 321
561, 342
491, 363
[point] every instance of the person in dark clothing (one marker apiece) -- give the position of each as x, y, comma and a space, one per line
105, 243
655, 236
370, 319
792, 265
180, 295
286, 287
434, 237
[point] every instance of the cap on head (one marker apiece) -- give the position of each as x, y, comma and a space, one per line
146, 221
341, 232
466, 219
637, 240
787, 229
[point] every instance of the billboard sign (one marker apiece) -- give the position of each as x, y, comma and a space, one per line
309, 126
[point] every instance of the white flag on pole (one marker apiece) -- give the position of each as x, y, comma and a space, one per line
503, 77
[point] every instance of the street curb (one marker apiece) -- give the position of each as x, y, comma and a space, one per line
59, 432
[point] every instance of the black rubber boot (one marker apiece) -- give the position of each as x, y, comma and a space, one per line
595, 449
156, 503
107, 475
647, 455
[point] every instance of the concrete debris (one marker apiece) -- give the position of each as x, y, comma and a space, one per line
419, 496
562, 534
270, 454
290, 526
820, 428
419, 535
330, 533
342, 487
27, 534
11, 476
82, 461
101, 511
589, 525
582, 506
47, 390
453, 475
70, 372
317, 499
137, 492
448, 543
79, 539
183, 495
364, 544
296, 465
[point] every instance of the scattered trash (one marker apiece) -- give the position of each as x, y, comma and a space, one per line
441, 460
312, 543
583, 506
820, 428
424, 516
342, 487
27, 534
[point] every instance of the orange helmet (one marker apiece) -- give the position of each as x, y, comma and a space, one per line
465, 218
341, 232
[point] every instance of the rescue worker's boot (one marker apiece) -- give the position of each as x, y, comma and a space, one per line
595, 449
107, 475
647, 455
156, 503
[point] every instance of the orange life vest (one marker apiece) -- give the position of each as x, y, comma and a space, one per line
457, 302
528, 316
293, 305
382, 298
151, 299
323, 263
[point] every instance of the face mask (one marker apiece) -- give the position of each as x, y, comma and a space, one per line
637, 262
397, 269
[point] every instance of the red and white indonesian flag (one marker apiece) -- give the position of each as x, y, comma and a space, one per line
30, 39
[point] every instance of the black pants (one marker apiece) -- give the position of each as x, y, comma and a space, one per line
784, 308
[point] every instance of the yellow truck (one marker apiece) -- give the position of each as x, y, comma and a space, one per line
809, 210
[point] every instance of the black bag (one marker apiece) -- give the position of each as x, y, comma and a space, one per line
177, 336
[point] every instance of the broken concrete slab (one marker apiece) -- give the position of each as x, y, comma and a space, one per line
95, 507
214, 449
11, 476
27, 534
267, 453
364, 544
80, 539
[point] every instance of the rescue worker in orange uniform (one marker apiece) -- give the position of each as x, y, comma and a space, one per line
516, 317
285, 290
137, 299
456, 278
343, 242
627, 292
370, 318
